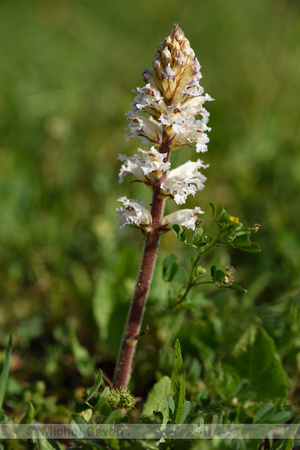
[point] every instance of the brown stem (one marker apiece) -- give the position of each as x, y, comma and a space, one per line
132, 328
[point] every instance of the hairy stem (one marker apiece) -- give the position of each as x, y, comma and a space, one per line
132, 328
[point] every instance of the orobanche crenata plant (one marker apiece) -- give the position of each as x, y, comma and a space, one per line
167, 113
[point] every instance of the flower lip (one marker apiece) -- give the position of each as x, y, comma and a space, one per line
146, 167
185, 217
133, 213
184, 180
147, 129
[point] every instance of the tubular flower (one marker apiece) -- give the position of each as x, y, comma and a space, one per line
185, 217
133, 213
183, 181
147, 168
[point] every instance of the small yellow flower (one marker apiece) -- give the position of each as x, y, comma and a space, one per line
234, 220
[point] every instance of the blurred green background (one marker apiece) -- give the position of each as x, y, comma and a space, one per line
66, 77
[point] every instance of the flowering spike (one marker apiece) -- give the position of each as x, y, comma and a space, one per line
167, 112
172, 97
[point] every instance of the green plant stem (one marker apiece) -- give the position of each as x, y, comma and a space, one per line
191, 282
132, 328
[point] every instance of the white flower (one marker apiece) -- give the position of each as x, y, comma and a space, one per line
147, 167
185, 217
194, 106
148, 129
148, 99
133, 213
184, 180
186, 127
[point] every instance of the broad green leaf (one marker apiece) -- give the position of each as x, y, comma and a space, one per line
83, 360
103, 303
288, 444
105, 392
242, 240
79, 420
103, 407
224, 216
168, 266
43, 444
197, 233
201, 244
172, 272
180, 276
5, 371
288, 437
171, 403
115, 416
236, 287
168, 408
75, 424
216, 274
197, 241
177, 382
264, 413
159, 391
178, 230
255, 359
200, 270
185, 410
219, 275
208, 239
281, 417
213, 271
213, 207
95, 387
254, 247
244, 243
29, 414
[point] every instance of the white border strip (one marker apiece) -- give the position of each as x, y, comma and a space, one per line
150, 431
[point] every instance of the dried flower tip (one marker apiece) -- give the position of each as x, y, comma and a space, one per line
174, 67
172, 97
134, 213
256, 227
229, 271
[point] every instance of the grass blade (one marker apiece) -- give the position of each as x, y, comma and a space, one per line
5, 372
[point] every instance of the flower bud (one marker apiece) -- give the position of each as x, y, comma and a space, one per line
172, 97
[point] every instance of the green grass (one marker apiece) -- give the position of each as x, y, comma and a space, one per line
67, 271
